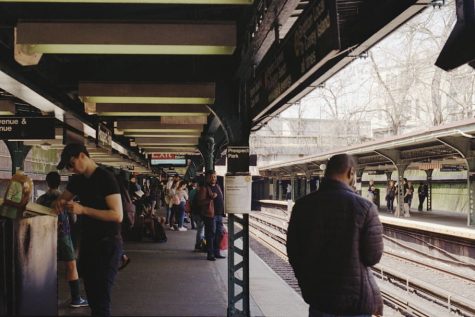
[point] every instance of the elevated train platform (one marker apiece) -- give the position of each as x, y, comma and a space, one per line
170, 279
434, 221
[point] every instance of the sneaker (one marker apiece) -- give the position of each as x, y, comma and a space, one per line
79, 302
219, 256
124, 263
182, 229
172, 228
211, 258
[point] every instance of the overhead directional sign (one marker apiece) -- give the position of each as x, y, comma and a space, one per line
168, 159
27, 128
311, 39
104, 137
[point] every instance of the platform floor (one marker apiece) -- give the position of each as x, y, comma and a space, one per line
170, 279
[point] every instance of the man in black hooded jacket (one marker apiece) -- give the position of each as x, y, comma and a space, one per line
333, 239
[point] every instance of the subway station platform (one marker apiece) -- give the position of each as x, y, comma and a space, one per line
435, 221
170, 279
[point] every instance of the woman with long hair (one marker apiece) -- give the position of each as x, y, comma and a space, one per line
182, 194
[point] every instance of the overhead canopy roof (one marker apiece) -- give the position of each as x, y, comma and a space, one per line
427, 149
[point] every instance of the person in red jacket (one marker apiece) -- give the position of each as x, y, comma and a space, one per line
211, 202
334, 237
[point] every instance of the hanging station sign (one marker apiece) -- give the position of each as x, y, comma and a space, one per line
168, 159
27, 128
104, 137
312, 40
238, 159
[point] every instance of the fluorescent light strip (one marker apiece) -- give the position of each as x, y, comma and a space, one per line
242, 2
161, 130
147, 114
165, 144
124, 49
149, 100
144, 135
19, 90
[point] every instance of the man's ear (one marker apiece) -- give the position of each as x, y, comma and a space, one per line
351, 171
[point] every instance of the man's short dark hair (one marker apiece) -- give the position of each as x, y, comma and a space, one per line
53, 180
339, 164
69, 151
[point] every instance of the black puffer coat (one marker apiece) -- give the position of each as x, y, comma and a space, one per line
334, 236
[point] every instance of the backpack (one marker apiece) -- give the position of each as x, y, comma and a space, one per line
17, 195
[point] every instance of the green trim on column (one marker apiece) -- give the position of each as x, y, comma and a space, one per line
18, 152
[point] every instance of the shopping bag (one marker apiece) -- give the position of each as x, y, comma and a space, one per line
223, 244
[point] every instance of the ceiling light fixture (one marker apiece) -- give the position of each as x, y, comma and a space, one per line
233, 2
32, 39
131, 93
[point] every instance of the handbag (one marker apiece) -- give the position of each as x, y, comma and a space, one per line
223, 243
188, 206
175, 200
128, 210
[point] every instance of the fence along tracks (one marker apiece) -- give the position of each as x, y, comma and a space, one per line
403, 292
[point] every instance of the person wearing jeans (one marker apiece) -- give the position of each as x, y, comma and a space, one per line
211, 202
100, 209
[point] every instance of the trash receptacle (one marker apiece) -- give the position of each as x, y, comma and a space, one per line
28, 269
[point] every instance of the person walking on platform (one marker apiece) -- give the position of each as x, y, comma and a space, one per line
65, 244
422, 191
390, 195
288, 194
408, 192
197, 218
211, 202
100, 208
334, 237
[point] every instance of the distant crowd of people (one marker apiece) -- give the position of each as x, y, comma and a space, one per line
392, 190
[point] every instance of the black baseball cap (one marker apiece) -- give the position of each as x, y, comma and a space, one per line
71, 150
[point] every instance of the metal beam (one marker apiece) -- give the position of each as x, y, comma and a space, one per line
32, 39
127, 109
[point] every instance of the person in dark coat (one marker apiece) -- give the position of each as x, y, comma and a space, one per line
334, 237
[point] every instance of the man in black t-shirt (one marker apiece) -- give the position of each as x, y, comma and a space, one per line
100, 208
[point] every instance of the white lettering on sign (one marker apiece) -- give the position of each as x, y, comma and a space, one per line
9, 121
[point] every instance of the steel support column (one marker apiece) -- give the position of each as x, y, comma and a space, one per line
238, 242
401, 168
308, 178
471, 191
292, 186
238, 284
429, 189
18, 152
463, 145
275, 190
279, 188
359, 176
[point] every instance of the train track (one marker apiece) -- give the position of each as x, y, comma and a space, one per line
271, 230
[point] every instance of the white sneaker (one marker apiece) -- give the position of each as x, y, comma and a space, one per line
171, 228
182, 229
